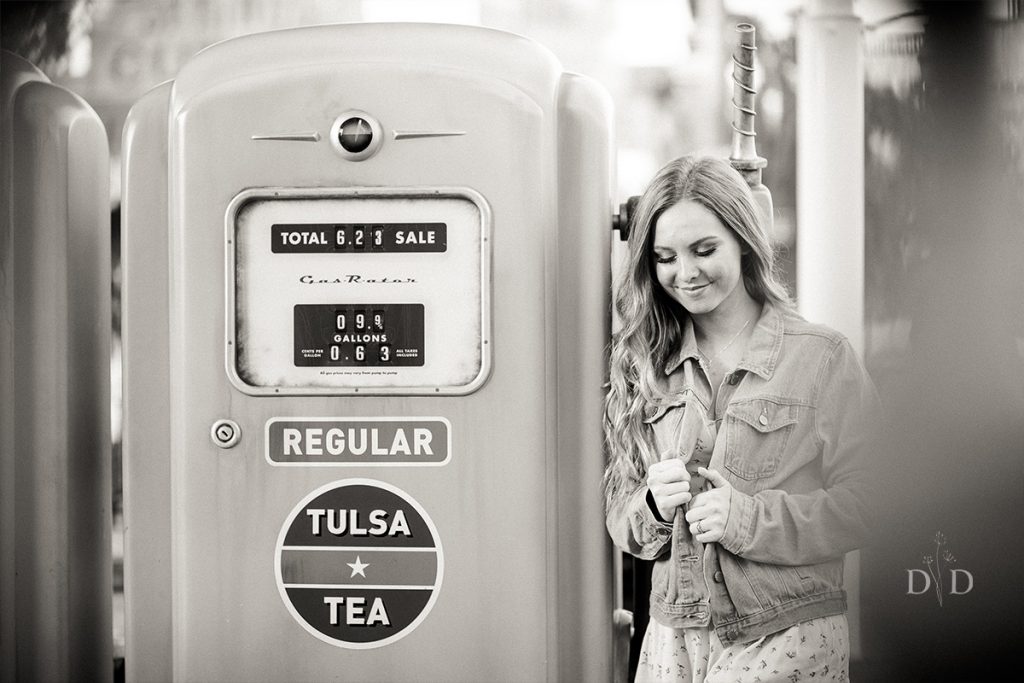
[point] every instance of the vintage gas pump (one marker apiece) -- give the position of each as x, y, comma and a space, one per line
364, 321
55, 517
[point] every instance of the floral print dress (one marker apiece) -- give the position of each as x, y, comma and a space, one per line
811, 651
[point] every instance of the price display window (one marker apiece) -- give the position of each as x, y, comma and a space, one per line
379, 291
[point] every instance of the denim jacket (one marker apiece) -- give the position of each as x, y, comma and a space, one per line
799, 420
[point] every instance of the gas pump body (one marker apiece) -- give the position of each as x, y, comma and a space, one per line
366, 281
55, 487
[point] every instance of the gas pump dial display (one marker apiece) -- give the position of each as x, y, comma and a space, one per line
382, 335
358, 290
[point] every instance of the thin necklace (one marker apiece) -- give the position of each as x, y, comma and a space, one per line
711, 361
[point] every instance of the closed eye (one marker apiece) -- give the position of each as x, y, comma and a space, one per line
667, 258
706, 252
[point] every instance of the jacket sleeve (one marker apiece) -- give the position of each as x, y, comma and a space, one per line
634, 528
783, 528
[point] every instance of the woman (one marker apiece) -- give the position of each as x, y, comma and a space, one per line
739, 438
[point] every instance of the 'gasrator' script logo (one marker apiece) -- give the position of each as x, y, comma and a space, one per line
939, 565
355, 279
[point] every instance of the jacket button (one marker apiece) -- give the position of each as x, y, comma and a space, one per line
718, 577
763, 420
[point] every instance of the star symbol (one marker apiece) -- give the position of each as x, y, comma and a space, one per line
358, 567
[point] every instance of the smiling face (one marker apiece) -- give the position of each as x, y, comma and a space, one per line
698, 261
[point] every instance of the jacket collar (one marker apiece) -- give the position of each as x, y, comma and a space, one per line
762, 352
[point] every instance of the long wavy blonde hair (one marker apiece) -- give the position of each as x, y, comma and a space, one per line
651, 322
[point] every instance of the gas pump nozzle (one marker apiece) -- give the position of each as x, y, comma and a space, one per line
622, 220
744, 157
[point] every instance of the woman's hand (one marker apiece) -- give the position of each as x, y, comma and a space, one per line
669, 484
710, 510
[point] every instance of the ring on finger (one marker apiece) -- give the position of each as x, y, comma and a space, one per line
700, 529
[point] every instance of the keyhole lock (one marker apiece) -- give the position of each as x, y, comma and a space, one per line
225, 433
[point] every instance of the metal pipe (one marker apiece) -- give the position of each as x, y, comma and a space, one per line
744, 157
744, 135
830, 193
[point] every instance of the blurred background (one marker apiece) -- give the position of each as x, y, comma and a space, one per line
943, 240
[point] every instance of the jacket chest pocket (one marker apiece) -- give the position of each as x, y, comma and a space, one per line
756, 434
